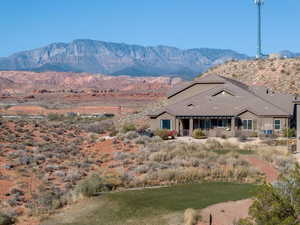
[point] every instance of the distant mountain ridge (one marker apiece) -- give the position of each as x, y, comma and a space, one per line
92, 56
289, 54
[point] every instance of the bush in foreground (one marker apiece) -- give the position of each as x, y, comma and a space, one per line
90, 186
277, 204
198, 134
5, 219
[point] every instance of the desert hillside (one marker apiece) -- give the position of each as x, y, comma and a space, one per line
279, 74
27, 82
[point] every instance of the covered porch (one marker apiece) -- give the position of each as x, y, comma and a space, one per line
211, 126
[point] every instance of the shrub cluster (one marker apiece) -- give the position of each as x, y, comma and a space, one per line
168, 163
99, 127
128, 127
6, 219
198, 134
165, 134
90, 186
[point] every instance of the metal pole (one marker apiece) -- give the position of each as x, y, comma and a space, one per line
259, 31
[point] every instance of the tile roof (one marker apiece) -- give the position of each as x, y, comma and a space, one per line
211, 79
244, 98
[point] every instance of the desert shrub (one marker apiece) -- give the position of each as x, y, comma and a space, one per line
99, 127
289, 132
5, 219
142, 169
191, 217
49, 200
245, 221
278, 203
113, 132
90, 186
281, 142
165, 134
254, 134
213, 144
131, 135
128, 127
198, 134
143, 140
54, 116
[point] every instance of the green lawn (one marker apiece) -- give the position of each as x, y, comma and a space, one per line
154, 206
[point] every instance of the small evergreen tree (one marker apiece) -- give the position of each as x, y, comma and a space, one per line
277, 204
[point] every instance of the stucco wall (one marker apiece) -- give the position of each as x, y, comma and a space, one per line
155, 123
264, 123
196, 89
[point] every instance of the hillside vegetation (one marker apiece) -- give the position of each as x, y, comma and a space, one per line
279, 74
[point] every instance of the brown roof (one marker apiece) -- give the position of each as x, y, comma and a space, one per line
242, 98
211, 79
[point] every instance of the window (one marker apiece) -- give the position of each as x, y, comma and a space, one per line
221, 123
268, 132
166, 124
247, 124
277, 124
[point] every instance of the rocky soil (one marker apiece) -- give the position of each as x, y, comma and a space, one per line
279, 74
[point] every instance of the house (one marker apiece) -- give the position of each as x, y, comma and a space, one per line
222, 106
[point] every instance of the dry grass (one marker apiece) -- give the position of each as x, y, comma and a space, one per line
190, 217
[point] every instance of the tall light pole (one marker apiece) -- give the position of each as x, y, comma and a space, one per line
259, 4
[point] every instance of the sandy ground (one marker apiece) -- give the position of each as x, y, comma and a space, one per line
226, 213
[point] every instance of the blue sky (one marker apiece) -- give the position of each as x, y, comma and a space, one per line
231, 24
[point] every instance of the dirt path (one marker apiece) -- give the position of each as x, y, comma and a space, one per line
226, 213
265, 167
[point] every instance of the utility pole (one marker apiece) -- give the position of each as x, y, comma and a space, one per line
259, 4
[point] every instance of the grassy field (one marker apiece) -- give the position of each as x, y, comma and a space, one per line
161, 206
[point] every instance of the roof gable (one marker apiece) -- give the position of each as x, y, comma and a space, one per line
223, 93
211, 79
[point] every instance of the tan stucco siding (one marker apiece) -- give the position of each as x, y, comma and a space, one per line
155, 123
264, 123
196, 89
283, 123
250, 116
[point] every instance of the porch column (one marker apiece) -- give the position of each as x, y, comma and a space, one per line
233, 126
191, 127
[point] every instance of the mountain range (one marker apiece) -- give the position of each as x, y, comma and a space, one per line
92, 56
84, 55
